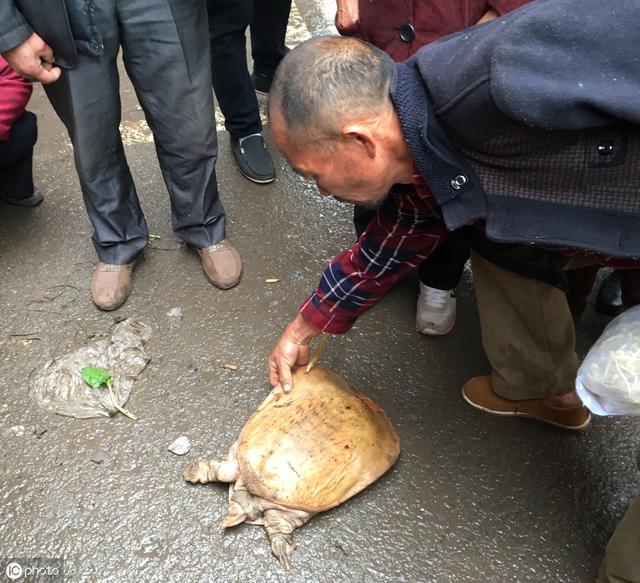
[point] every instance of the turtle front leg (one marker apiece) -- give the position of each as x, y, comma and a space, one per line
280, 524
206, 470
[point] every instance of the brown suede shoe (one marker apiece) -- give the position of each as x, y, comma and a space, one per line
479, 394
221, 264
111, 284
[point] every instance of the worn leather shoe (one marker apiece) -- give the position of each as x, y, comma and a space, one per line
111, 284
221, 264
479, 394
609, 299
253, 159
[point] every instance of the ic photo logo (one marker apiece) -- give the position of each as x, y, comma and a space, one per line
28, 570
14, 570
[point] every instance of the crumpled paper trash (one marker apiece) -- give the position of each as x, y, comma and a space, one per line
608, 380
58, 386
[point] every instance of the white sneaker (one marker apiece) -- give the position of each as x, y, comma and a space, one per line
435, 311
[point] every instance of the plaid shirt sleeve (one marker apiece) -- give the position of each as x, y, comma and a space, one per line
405, 230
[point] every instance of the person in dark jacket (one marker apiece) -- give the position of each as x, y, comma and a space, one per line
455, 123
400, 29
165, 52
18, 135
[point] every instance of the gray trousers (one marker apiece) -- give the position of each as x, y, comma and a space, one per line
165, 49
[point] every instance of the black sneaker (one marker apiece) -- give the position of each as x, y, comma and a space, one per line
261, 82
253, 159
609, 299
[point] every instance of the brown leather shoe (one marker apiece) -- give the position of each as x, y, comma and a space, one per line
221, 264
111, 284
479, 394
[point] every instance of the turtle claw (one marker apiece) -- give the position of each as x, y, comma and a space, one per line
282, 547
190, 473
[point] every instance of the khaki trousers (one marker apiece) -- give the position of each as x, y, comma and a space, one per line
622, 559
527, 333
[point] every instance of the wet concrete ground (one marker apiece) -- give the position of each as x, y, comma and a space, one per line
472, 498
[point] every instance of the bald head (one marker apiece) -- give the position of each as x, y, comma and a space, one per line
326, 81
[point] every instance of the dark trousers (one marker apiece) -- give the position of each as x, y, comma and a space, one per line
443, 268
16, 158
581, 282
228, 22
165, 52
268, 32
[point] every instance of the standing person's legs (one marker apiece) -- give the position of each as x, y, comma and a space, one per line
609, 297
166, 53
268, 33
444, 267
439, 274
581, 282
16, 163
87, 100
228, 21
529, 339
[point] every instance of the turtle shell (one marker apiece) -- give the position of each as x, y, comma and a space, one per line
317, 446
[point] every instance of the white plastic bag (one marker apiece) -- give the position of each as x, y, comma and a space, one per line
58, 385
608, 381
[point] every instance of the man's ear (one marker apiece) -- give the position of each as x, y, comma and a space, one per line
360, 134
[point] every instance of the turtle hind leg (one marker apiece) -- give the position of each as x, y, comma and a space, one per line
206, 470
280, 524
242, 506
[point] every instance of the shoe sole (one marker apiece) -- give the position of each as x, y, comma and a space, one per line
220, 286
256, 180
432, 332
574, 428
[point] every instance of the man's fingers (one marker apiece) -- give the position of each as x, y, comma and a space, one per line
303, 357
274, 377
46, 54
284, 371
47, 76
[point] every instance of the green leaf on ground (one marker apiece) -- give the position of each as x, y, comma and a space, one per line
96, 377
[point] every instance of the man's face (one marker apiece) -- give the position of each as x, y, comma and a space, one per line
341, 167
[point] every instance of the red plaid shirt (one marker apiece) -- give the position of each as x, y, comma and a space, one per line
406, 230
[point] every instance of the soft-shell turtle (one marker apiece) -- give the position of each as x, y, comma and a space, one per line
301, 453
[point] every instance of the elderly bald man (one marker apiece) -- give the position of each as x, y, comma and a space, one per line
505, 127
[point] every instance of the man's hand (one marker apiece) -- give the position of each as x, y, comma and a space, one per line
347, 17
34, 59
292, 350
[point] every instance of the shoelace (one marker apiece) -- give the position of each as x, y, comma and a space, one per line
436, 298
